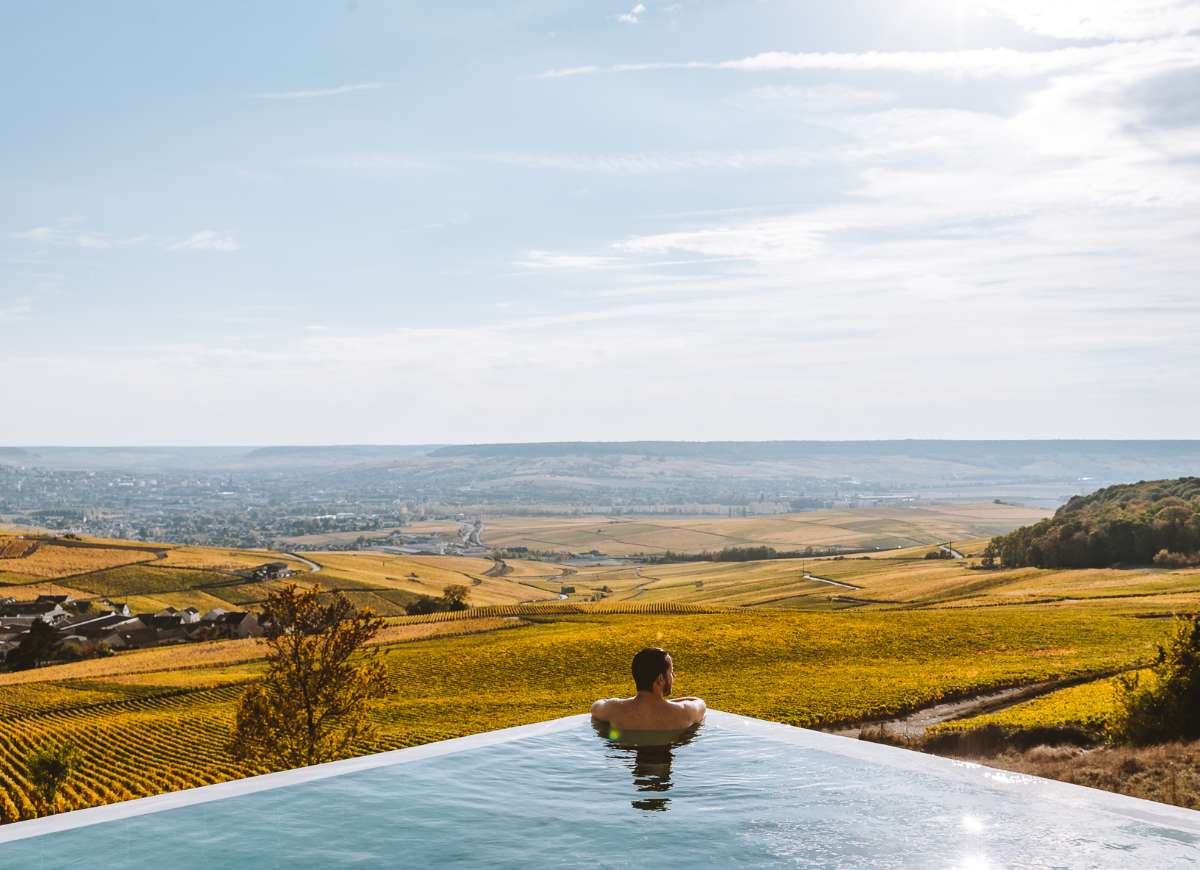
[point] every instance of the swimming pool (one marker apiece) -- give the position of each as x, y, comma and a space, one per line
741, 792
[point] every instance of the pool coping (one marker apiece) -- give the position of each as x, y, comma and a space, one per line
1034, 788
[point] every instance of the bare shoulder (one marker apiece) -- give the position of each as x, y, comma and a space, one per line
602, 709
695, 707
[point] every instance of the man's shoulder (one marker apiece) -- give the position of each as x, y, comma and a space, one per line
605, 705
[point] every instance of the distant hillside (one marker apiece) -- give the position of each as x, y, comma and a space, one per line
1136, 523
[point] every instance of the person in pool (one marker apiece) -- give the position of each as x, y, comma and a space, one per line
649, 709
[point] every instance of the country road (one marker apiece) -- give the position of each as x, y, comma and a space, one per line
954, 554
312, 566
814, 577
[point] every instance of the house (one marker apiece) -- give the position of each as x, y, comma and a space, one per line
28, 612
132, 638
121, 608
189, 615
89, 624
7, 646
272, 571
54, 599
214, 615
103, 626
238, 624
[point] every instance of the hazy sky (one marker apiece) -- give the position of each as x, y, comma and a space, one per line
449, 222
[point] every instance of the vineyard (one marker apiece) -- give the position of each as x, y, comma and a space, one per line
1088, 707
144, 733
16, 548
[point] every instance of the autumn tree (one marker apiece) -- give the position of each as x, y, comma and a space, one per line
312, 704
48, 770
455, 597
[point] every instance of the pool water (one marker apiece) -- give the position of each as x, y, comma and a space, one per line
736, 792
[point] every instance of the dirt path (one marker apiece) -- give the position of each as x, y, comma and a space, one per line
313, 567
913, 725
837, 583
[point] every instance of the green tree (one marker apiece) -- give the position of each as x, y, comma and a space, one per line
312, 705
455, 597
48, 770
1167, 706
37, 646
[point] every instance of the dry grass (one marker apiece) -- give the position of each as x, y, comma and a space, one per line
50, 561
1168, 773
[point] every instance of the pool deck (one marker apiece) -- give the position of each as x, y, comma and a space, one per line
1030, 787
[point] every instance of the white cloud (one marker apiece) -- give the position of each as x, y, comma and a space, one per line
650, 163
17, 309
93, 240
37, 234
1099, 19
973, 62
320, 92
207, 240
787, 239
537, 260
634, 15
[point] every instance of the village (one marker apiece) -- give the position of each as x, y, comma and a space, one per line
59, 628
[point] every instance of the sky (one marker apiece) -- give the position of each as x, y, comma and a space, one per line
384, 222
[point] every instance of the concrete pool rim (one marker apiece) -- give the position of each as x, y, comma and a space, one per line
1030, 787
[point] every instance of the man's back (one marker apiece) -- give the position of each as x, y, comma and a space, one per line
649, 710
645, 712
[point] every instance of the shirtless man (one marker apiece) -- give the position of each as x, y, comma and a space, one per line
649, 709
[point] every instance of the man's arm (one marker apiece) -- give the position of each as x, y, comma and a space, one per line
695, 707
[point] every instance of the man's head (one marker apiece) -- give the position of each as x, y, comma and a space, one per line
653, 670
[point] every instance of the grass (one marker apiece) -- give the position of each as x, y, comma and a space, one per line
166, 727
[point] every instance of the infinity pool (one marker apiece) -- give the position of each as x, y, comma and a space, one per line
739, 792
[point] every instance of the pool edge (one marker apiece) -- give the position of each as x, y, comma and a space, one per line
1034, 787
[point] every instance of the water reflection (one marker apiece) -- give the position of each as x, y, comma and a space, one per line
649, 755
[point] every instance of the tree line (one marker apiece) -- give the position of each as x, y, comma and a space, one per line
1136, 523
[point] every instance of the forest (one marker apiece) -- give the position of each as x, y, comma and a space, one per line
1129, 524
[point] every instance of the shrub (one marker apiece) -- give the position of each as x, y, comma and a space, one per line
1166, 559
1167, 706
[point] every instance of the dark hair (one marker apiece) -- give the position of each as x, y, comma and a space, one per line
648, 665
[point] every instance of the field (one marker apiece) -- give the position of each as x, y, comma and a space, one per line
157, 730
151, 577
889, 527
859, 638
1088, 707
50, 561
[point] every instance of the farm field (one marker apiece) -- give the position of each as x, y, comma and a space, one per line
51, 561
147, 732
151, 577
428, 575
889, 527
1089, 707
161, 576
